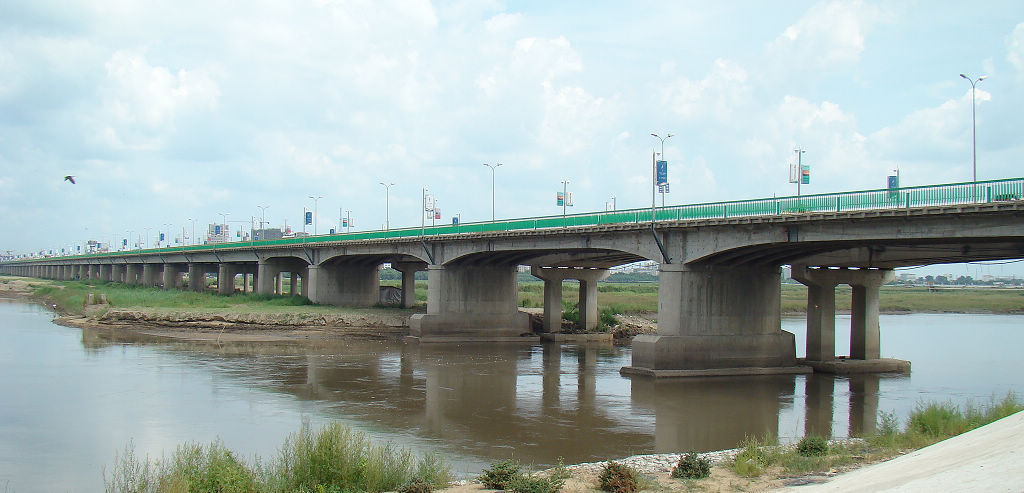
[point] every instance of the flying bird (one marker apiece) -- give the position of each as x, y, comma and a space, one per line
70, 178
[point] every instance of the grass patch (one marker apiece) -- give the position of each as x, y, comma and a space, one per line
333, 459
928, 423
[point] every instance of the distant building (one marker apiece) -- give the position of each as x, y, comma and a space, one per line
218, 233
267, 234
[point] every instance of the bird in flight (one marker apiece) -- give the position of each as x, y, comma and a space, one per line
70, 178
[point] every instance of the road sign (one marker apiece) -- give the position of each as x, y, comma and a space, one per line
662, 167
309, 217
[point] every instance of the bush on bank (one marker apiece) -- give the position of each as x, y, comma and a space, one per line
334, 458
927, 424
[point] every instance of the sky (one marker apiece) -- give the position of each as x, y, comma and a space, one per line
166, 111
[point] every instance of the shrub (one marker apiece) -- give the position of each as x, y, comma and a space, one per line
753, 458
416, 485
500, 474
812, 446
528, 483
618, 478
608, 318
692, 466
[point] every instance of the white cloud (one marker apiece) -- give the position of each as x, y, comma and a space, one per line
144, 102
718, 96
1015, 54
829, 34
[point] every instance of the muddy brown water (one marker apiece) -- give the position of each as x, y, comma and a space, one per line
71, 398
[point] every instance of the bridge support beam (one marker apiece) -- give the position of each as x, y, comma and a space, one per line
149, 274
226, 278
266, 277
588, 308
409, 270
471, 303
132, 274
343, 283
172, 276
864, 329
716, 320
117, 273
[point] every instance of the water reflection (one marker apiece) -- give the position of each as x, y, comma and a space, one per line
538, 402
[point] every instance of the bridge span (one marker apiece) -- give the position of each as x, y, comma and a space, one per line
719, 287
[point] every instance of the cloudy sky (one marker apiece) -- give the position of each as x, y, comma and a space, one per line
165, 111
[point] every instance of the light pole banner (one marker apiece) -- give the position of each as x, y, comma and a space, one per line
662, 167
561, 199
894, 182
805, 174
794, 175
309, 218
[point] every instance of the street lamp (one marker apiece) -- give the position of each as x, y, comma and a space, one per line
974, 127
387, 204
263, 216
565, 199
193, 230
315, 199
224, 221
799, 168
656, 136
493, 167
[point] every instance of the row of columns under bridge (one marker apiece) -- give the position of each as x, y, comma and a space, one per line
344, 284
708, 317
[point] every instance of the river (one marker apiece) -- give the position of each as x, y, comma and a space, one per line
72, 398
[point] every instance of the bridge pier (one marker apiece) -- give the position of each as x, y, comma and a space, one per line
149, 274
172, 276
471, 303
409, 270
588, 309
132, 274
344, 283
864, 329
117, 273
716, 320
226, 278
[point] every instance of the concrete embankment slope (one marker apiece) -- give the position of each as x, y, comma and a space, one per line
990, 459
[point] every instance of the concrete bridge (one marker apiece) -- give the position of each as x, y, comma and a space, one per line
719, 289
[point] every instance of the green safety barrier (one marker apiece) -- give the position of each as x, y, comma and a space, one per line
933, 195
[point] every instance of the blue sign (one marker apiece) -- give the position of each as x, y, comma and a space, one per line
455, 221
332, 231
161, 237
894, 181
805, 174
216, 230
560, 199
124, 242
662, 167
309, 218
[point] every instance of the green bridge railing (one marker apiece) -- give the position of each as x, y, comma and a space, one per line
932, 195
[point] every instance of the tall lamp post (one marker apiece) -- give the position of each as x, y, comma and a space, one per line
263, 216
387, 204
315, 199
662, 139
493, 167
224, 220
799, 168
193, 221
974, 128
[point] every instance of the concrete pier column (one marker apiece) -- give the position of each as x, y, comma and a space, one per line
409, 270
821, 310
266, 277
279, 283
117, 273
587, 303
864, 332
104, 272
171, 276
133, 274
344, 283
293, 283
471, 303
149, 274
716, 320
226, 278
589, 313
246, 279
197, 277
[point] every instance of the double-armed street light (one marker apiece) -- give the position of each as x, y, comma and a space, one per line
493, 167
387, 204
263, 216
974, 127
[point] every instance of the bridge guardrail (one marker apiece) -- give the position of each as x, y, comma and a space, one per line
906, 197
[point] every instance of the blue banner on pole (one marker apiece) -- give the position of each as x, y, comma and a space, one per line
216, 230
662, 167
894, 182
309, 218
161, 237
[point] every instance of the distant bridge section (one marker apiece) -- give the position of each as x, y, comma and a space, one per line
719, 293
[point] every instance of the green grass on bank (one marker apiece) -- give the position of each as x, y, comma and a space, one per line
332, 459
619, 298
929, 423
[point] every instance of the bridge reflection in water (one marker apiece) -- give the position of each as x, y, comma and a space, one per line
537, 402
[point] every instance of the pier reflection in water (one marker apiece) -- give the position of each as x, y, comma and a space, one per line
486, 402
